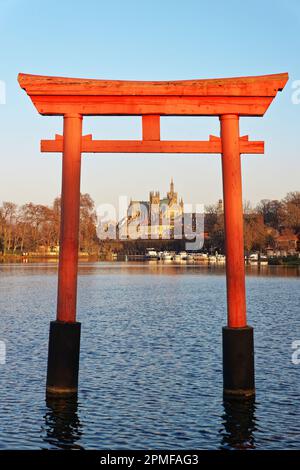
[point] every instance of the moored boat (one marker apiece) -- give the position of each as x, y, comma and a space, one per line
151, 253
166, 256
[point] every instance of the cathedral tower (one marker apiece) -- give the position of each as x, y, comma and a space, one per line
172, 196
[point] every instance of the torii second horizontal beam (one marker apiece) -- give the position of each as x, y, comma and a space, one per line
213, 145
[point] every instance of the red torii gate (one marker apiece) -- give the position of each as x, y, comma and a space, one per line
227, 98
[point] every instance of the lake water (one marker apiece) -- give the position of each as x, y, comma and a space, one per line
150, 366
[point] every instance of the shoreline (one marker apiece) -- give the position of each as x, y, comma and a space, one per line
11, 259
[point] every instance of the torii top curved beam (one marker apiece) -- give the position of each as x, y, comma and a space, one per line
245, 96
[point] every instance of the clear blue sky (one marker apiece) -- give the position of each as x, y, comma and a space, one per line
147, 40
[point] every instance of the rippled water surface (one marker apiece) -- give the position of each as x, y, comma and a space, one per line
150, 370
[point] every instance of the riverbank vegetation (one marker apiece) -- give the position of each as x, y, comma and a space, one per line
33, 229
273, 225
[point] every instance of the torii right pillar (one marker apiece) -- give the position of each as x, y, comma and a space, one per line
238, 344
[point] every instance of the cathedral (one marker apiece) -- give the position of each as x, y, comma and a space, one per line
156, 217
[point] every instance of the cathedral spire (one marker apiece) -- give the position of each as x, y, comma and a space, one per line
172, 186
172, 196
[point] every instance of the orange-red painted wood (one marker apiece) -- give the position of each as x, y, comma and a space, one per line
151, 127
143, 105
246, 96
152, 146
233, 215
228, 98
69, 229
263, 85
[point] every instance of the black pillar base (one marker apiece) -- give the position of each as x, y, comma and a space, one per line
63, 358
238, 362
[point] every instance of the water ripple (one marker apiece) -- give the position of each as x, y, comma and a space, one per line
151, 373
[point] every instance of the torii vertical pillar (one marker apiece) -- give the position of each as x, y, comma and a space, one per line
64, 338
238, 347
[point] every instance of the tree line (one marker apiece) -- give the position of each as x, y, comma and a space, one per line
28, 227
262, 224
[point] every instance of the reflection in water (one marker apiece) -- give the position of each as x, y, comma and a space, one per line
145, 334
239, 424
62, 425
143, 267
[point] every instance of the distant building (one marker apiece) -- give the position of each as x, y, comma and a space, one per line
158, 217
48, 250
220, 208
287, 242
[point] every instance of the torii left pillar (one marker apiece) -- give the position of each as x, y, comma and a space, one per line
64, 338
